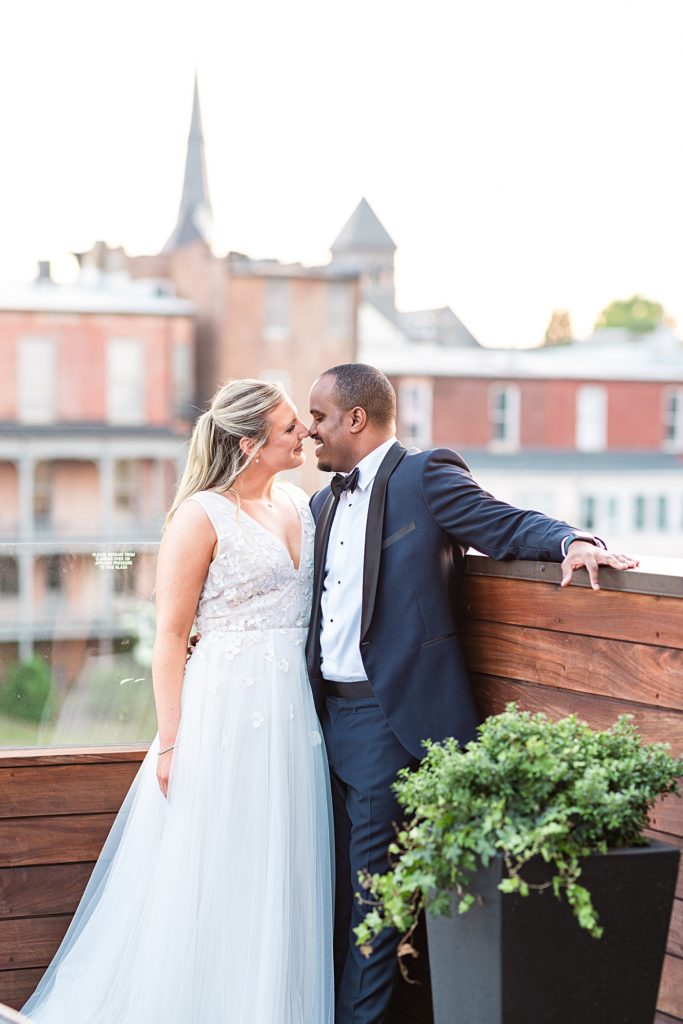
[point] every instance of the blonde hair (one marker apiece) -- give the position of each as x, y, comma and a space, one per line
215, 459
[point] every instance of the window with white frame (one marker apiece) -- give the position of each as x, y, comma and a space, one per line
673, 419
599, 512
339, 310
588, 512
128, 485
183, 380
37, 380
415, 398
9, 576
276, 311
124, 580
504, 409
611, 519
43, 495
662, 512
54, 567
125, 381
654, 512
591, 418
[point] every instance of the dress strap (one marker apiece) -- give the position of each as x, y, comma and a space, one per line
219, 510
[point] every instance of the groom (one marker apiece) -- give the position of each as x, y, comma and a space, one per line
383, 651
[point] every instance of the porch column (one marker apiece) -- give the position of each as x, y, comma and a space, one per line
158, 508
105, 465
27, 610
26, 466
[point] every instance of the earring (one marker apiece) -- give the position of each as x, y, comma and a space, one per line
257, 459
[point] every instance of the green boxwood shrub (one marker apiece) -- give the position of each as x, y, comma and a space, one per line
27, 691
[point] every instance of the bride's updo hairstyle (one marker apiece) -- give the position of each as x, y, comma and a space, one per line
238, 409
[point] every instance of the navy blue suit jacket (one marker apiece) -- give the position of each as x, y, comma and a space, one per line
425, 511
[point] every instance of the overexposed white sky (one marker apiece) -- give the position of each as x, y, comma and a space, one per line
524, 156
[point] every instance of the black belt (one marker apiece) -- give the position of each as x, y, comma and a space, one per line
359, 689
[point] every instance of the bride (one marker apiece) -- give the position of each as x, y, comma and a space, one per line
211, 902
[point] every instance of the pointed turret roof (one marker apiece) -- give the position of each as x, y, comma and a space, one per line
194, 215
363, 231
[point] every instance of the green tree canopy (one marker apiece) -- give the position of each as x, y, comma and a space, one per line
637, 314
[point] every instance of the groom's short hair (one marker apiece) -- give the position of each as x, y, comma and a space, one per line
366, 386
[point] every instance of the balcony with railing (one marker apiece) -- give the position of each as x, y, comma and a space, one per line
77, 713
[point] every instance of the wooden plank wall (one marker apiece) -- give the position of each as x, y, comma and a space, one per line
597, 654
549, 649
56, 809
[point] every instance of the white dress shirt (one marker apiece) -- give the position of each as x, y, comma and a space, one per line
342, 596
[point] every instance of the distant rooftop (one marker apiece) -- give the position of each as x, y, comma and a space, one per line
241, 264
548, 460
609, 355
438, 326
96, 292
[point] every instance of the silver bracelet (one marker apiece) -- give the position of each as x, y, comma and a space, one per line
160, 752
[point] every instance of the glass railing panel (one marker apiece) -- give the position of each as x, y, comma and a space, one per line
76, 631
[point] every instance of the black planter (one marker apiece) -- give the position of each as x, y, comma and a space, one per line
525, 960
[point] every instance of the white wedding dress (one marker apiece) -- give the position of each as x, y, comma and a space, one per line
215, 907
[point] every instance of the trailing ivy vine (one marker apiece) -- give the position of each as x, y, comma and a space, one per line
529, 787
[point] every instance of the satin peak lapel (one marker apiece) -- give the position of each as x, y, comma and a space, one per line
373, 533
322, 536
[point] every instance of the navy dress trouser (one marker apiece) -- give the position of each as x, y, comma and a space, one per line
364, 757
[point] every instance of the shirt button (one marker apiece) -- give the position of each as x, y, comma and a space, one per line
331, 620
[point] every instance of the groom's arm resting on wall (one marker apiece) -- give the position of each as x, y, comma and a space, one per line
474, 518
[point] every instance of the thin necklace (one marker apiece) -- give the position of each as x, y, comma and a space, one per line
262, 500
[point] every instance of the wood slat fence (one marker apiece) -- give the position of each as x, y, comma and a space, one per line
525, 639
599, 655
56, 808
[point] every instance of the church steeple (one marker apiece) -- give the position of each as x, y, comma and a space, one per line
194, 215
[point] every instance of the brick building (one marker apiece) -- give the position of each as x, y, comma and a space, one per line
94, 416
591, 432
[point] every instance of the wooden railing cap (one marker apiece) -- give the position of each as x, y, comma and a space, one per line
661, 577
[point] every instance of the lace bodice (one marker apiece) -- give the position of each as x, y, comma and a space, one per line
252, 583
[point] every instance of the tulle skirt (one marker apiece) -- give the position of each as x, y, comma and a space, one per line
214, 906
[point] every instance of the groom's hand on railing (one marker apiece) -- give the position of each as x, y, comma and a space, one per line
583, 555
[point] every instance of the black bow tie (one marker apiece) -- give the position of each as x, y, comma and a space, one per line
340, 483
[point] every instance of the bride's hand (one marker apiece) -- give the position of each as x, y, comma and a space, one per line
164, 771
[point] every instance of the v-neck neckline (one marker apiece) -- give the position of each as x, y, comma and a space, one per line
270, 533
